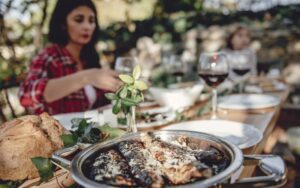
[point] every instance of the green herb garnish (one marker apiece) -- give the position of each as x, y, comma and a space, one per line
69, 140
89, 132
111, 132
44, 166
85, 133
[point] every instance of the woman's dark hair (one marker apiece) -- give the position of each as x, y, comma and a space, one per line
58, 33
229, 38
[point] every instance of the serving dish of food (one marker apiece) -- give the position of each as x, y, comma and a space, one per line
28, 142
155, 117
24, 138
167, 159
21, 141
177, 97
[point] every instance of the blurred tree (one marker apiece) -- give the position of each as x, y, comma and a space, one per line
171, 19
23, 26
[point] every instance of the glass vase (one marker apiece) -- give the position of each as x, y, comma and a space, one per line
130, 117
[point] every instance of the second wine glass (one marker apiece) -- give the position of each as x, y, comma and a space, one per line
213, 69
177, 67
125, 65
240, 64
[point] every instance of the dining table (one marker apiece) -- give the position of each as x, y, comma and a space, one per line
264, 119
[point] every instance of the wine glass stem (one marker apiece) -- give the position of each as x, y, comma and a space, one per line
214, 104
240, 87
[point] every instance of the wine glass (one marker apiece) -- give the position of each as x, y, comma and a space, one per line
125, 65
240, 64
177, 67
213, 69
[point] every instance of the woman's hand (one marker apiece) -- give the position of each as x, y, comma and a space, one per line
104, 79
58, 88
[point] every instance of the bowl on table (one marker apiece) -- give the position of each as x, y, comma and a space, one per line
178, 96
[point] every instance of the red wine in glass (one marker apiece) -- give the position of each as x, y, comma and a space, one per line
213, 79
241, 71
213, 69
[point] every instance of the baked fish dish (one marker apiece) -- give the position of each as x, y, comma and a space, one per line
149, 161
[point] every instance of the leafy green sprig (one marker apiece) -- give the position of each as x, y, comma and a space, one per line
130, 93
85, 132
89, 132
44, 167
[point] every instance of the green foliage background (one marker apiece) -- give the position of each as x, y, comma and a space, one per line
166, 22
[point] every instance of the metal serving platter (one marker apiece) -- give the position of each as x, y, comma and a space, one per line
79, 168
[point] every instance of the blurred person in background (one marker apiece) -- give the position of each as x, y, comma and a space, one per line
239, 41
66, 76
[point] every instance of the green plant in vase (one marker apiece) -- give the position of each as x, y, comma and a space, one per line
128, 96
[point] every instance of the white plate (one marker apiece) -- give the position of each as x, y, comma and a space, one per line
248, 101
277, 86
148, 104
106, 116
65, 119
240, 134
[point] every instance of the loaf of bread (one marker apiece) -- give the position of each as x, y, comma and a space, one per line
24, 138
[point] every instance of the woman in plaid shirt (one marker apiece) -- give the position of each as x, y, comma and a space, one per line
66, 76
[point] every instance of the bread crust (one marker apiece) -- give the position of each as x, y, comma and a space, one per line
24, 138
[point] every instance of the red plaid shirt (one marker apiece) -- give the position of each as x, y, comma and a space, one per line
53, 62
